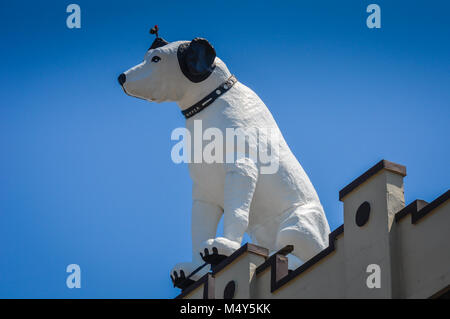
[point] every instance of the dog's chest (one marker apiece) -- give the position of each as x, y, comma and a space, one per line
210, 179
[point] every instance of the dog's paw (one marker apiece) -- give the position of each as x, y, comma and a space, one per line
181, 274
217, 249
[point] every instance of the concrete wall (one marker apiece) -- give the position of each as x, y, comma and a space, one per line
424, 253
410, 245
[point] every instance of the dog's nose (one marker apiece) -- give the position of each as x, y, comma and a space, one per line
122, 78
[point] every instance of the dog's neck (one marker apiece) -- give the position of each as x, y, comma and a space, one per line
198, 91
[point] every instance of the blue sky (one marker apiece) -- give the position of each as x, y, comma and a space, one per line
85, 171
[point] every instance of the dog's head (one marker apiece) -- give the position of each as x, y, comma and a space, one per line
175, 71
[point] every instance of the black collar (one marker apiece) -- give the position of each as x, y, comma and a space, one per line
211, 97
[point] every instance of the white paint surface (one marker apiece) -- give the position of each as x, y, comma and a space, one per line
274, 209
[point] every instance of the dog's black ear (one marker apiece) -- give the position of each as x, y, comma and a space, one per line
196, 59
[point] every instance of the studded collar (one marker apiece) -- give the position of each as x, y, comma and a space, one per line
210, 98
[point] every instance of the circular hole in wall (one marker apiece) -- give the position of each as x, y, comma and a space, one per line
362, 214
229, 290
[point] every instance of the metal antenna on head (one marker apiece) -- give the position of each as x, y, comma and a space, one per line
158, 42
155, 30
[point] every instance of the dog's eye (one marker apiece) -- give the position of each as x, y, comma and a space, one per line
156, 59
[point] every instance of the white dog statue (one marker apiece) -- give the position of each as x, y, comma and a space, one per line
277, 208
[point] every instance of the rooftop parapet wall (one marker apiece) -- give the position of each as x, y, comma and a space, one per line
413, 257
422, 248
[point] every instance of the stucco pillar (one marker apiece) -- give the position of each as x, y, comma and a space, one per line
370, 203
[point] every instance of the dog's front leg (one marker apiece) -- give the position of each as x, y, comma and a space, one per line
205, 217
240, 184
